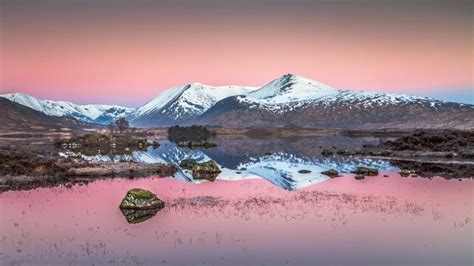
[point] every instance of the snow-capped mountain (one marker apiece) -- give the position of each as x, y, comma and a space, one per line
291, 89
92, 113
17, 117
294, 100
181, 104
288, 100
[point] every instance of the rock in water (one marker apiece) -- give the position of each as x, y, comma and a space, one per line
188, 163
140, 199
304, 171
135, 216
331, 173
359, 177
206, 167
327, 153
406, 172
207, 170
366, 171
206, 176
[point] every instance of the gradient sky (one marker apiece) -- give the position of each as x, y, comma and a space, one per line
126, 52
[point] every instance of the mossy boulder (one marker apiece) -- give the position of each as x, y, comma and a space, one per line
366, 171
206, 167
207, 170
140, 199
188, 164
205, 176
331, 173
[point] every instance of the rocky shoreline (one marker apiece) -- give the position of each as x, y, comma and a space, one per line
84, 174
425, 153
21, 170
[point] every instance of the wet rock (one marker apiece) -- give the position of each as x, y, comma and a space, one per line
188, 164
140, 199
206, 167
331, 173
205, 176
366, 171
406, 172
304, 171
327, 153
385, 175
359, 177
155, 144
207, 170
135, 216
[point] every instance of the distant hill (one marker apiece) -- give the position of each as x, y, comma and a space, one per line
90, 113
15, 116
287, 100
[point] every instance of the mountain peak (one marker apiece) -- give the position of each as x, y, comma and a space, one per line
185, 102
290, 88
16, 95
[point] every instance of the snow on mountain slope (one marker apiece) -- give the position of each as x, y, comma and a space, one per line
291, 88
296, 91
87, 113
293, 100
186, 102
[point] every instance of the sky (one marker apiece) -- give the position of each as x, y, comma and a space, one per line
127, 51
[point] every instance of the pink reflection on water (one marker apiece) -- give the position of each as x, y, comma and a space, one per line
374, 221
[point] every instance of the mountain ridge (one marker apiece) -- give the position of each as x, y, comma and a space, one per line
91, 113
182, 104
16, 117
287, 100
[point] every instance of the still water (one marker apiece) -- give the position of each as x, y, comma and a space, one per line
259, 211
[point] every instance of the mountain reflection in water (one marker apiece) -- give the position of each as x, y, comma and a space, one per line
276, 160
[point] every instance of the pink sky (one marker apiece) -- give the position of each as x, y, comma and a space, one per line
128, 54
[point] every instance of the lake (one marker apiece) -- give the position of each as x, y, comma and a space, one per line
259, 211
